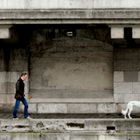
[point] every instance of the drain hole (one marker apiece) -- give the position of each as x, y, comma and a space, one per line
110, 128
20, 126
80, 125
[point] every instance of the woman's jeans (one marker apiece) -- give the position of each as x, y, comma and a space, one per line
16, 108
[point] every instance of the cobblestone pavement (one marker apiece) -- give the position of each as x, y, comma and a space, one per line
8, 115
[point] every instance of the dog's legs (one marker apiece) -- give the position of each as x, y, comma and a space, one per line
129, 112
125, 116
124, 112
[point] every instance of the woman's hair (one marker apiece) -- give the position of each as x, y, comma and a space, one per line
23, 74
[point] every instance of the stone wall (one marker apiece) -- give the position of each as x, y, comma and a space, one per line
126, 74
70, 129
65, 136
69, 74
63, 69
69, 67
14, 61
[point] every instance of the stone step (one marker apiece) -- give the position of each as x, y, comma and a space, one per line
104, 125
70, 129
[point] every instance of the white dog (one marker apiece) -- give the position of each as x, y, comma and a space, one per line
130, 108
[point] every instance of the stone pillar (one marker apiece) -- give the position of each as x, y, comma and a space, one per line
136, 32
4, 31
117, 32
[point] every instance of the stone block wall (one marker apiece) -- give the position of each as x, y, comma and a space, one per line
71, 74
78, 74
74, 108
126, 75
65, 73
126, 91
14, 61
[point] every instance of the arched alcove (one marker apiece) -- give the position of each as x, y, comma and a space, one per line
70, 68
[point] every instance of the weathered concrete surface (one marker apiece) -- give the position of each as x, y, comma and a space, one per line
69, 4
117, 32
62, 70
126, 74
136, 32
64, 67
57, 136
4, 32
71, 16
70, 129
69, 74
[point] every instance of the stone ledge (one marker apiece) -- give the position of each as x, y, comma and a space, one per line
70, 136
70, 125
72, 100
108, 16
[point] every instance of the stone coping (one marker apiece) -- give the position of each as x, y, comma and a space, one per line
70, 16
48, 4
70, 125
